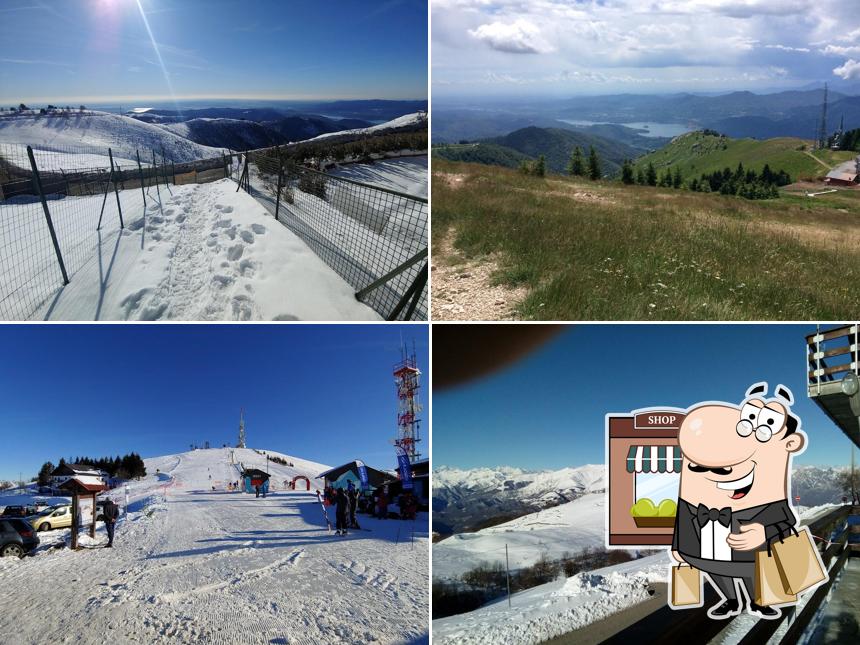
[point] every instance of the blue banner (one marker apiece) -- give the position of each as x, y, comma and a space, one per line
405, 468
362, 473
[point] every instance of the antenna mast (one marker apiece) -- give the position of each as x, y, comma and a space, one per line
406, 379
241, 443
822, 127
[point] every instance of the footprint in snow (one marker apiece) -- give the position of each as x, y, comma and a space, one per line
235, 252
223, 223
222, 280
259, 229
248, 236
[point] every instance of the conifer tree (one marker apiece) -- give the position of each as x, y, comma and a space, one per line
594, 170
576, 165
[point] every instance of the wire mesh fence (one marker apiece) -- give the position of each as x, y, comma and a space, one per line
58, 207
62, 206
374, 238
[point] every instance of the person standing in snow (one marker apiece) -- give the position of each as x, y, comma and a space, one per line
341, 511
110, 513
352, 495
257, 490
382, 505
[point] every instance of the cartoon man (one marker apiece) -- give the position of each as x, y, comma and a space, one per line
734, 489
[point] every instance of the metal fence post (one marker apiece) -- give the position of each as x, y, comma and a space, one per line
104, 199
173, 166
140, 174
115, 191
155, 165
280, 175
38, 181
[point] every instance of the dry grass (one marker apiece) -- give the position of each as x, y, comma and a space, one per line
602, 251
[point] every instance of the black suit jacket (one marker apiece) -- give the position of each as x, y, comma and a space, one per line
687, 539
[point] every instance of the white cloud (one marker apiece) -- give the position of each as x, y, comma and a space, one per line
519, 37
849, 71
837, 50
786, 48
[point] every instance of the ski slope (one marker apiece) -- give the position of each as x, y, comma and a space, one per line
552, 532
192, 565
205, 252
99, 130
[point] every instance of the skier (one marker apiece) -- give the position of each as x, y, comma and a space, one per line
110, 513
341, 511
352, 495
257, 490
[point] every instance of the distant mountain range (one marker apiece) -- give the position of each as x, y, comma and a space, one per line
464, 500
469, 500
794, 113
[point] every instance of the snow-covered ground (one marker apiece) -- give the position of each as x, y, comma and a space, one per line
122, 134
193, 565
557, 607
205, 253
400, 122
565, 604
568, 528
404, 174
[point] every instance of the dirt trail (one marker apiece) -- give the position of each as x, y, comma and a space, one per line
464, 290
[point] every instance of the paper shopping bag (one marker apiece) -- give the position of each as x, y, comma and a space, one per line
686, 586
798, 561
769, 586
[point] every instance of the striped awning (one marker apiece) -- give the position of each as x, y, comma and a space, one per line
654, 459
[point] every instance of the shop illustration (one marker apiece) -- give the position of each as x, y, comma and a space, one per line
644, 463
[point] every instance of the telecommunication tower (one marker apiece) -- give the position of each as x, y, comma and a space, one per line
822, 126
241, 443
406, 378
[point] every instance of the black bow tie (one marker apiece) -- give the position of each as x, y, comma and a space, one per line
705, 515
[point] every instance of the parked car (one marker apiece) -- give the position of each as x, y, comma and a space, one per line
19, 511
17, 537
54, 517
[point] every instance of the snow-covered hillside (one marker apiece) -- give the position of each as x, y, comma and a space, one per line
407, 121
463, 498
404, 174
205, 253
551, 533
193, 565
122, 134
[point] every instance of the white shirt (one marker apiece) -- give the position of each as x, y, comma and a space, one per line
714, 545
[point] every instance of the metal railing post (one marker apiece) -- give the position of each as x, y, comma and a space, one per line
414, 291
116, 192
38, 181
173, 166
391, 274
140, 174
224, 159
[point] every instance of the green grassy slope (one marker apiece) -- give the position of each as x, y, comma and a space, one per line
604, 251
697, 152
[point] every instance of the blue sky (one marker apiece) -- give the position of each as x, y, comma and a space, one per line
547, 410
100, 50
319, 392
568, 47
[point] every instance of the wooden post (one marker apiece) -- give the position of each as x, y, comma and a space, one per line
115, 191
173, 166
93, 525
53, 233
74, 520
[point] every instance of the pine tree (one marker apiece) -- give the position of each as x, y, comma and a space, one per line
540, 166
594, 171
627, 172
576, 166
45, 471
677, 178
651, 175
640, 177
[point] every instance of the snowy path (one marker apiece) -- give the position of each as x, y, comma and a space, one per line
204, 252
220, 567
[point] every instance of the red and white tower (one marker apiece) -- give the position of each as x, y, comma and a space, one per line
406, 379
